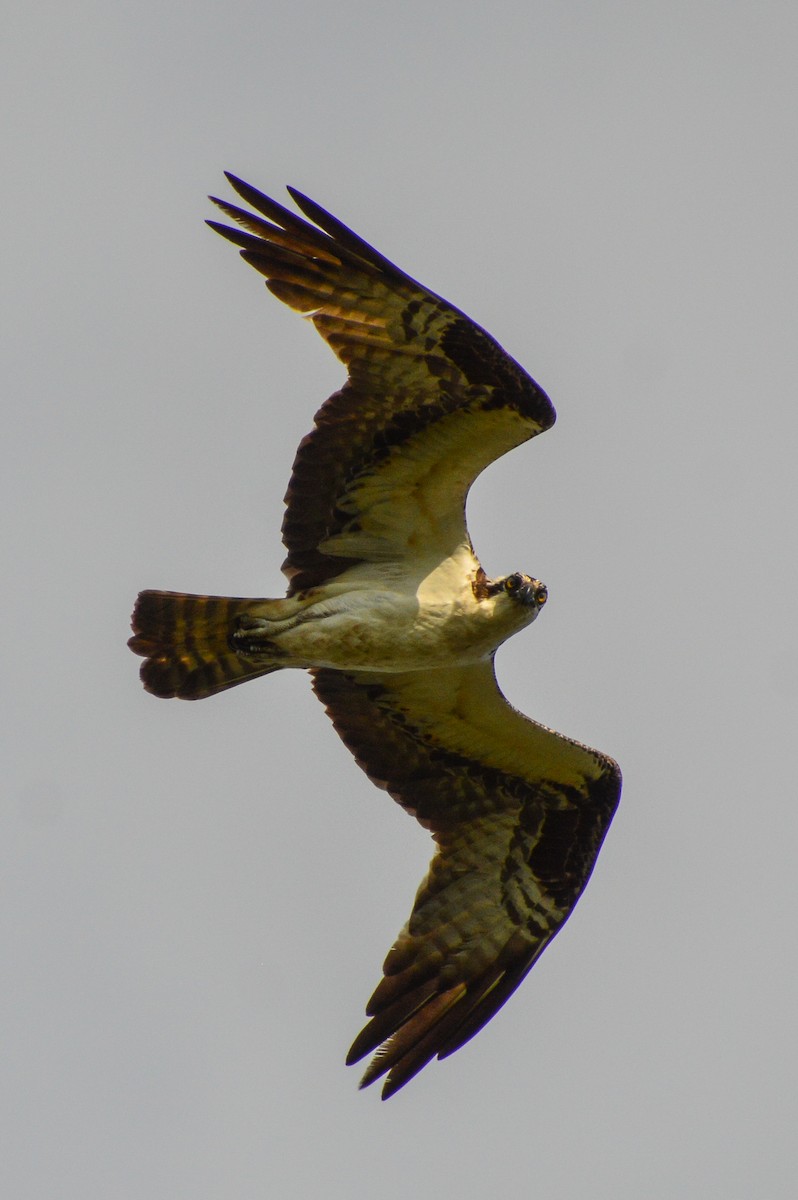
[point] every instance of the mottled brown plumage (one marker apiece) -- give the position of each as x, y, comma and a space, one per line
413, 361
389, 609
515, 847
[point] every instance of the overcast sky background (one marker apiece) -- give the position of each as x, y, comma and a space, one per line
197, 899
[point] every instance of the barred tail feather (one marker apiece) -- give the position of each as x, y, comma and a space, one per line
187, 643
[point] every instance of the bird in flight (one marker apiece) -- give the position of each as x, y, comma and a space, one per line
390, 611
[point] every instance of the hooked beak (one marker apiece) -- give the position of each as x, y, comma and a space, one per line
534, 592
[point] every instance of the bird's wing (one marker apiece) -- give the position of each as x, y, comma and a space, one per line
431, 399
518, 812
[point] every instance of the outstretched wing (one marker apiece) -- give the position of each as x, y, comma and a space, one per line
430, 401
519, 813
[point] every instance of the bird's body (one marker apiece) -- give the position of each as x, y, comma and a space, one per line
391, 612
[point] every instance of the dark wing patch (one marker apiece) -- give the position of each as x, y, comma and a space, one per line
518, 813
414, 362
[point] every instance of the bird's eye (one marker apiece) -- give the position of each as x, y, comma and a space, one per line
513, 582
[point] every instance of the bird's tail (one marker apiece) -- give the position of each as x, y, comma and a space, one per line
187, 642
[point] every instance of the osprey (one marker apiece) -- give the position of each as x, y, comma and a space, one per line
389, 609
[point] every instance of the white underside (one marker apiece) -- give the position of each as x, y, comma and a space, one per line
367, 620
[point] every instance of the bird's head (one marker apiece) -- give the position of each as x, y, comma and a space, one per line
523, 589
517, 593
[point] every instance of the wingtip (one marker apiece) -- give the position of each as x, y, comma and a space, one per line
242, 187
388, 1089
310, 209
244, 241
246, 191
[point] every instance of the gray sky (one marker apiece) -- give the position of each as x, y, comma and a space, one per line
196, 899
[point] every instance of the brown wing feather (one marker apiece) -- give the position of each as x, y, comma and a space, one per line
518, 813
413, 360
